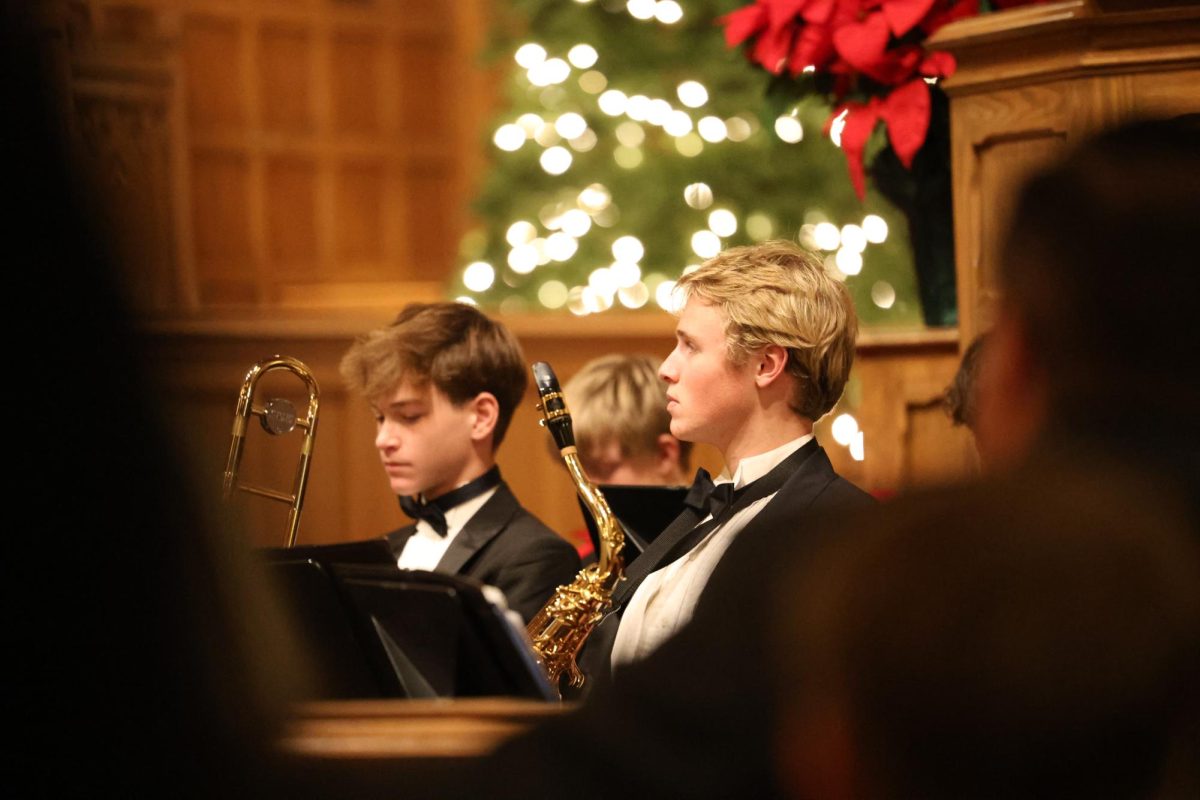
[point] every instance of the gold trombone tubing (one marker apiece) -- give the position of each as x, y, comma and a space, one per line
277, 417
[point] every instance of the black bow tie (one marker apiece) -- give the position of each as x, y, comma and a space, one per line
434, 511
707, 497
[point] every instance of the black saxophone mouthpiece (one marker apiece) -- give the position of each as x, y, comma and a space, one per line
553, 405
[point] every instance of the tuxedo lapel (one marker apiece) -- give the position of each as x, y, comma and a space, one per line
484, 526
811, 474
796, 495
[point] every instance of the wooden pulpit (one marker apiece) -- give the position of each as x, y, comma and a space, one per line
1030, 83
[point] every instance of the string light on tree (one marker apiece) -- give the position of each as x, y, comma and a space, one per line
722, 222
883, 294
530, 55
698, 195
789, 129
520, 232
705, 244
556, 160
854, 238
875, 228
711, 129
570, 125
479, 276
593, 82
692, 94
552, 294
641, 9
668, 12
509, 137
826, 236
582, 56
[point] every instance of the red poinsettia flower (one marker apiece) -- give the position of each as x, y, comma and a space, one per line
850, 38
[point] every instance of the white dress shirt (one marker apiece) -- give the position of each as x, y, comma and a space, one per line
425, 548
667, 597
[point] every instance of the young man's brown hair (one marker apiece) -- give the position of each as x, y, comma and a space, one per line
776, 293
453, 346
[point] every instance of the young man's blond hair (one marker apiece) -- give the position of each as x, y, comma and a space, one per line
775, 293
620, 398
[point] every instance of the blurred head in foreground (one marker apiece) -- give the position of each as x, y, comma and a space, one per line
1095, 335
1031, 638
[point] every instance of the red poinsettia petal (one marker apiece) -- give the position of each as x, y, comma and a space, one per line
903, 15
740, 25
818, 11
938, 64
897, 65
863, 44
782, 12
771, 49
906, 113
813, 47
860, 121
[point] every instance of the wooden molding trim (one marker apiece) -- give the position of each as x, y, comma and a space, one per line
347, 324
1037, 44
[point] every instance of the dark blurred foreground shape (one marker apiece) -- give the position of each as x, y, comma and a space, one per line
147, 654
1037, 636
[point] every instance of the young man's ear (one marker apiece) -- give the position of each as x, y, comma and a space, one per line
770, 363
485, 411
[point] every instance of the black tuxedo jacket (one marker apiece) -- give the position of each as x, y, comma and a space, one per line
505, 546
813, 488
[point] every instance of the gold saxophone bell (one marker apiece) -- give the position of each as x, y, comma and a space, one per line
278, 417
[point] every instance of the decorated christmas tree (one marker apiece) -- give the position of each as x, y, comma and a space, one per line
634, 143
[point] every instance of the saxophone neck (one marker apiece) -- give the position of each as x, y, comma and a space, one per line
612, 537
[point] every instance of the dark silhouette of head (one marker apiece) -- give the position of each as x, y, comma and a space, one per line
1036, 637
1095, 337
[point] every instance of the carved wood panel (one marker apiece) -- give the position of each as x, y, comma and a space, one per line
306, 152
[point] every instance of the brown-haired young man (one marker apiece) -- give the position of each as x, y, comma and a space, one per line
443, 381
763, 349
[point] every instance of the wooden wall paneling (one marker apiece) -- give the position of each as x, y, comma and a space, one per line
991, 161
284, 76
123, 123
319, 154
220, 202
357, 86
214, 66
186, 277
291, 216
112, 74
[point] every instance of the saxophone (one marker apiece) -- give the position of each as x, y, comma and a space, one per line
560, 629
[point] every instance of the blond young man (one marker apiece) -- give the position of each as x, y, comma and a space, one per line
622, 428
764, 346
443, 381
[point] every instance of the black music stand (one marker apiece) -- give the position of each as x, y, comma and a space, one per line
644, 511
374, 630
